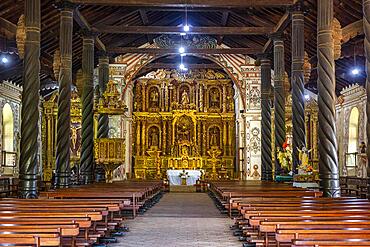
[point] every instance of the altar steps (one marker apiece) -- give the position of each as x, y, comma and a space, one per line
183, 188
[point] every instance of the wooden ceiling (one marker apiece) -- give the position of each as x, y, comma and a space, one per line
137, 17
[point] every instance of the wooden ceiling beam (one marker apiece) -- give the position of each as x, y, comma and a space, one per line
124, 50
83, 23
8, 28
283, 23
192, 3
188, 65
178, 30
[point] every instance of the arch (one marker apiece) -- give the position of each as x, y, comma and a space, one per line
353, 125
146, 59
8, 128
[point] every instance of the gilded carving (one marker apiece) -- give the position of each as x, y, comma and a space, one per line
21, 36
184, 125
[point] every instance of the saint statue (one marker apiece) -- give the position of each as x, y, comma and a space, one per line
214, 98
154, 139
304, 160
154, 98
213, 139
184, 98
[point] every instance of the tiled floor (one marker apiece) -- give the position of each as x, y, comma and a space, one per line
179, 220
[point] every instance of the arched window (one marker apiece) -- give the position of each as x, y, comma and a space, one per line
353, 130
8, 129
352, 142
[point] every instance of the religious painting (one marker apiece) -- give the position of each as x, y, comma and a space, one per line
214, 99
214, 136
153, 137
153, 98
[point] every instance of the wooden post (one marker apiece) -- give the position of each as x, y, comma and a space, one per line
63, 169
28, 163
279, 97
87, 130
266, 156
328, 158
366, 10
298, 117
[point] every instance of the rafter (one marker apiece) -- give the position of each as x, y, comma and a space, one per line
282, 24
193, 3
8, 28
124, 50
83, 23
177, 30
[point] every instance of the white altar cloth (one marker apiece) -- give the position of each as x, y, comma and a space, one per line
174, 178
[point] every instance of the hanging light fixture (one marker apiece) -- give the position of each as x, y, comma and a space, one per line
186, 27
355, 70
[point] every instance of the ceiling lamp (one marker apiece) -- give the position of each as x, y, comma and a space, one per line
355, 71
181, 50
4, 60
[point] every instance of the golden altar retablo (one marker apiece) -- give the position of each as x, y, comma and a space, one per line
183, 117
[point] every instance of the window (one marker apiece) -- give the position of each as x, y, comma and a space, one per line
8, 129
352, 142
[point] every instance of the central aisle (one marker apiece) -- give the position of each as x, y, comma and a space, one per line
181, 219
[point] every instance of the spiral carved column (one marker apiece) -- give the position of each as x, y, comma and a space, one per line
266, 157
279, 97
103, 120
87, 130
366, 10
328, 158
28, 162
63, 170
298, 117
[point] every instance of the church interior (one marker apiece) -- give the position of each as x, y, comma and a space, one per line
184, 123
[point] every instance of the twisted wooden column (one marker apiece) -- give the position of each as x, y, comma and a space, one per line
298, 118
266, 156
63, 170
279, 97
103, 120
328, 158
87, 130
28, 163
366, 10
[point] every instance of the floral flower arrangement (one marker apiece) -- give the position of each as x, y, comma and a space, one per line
285, 158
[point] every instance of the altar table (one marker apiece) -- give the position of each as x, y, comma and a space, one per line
175, 179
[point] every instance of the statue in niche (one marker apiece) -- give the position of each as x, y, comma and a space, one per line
183, 133
184, 98
154, 98
213, 142
215, 98
153, 138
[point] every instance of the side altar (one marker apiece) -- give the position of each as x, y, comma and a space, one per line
184, 121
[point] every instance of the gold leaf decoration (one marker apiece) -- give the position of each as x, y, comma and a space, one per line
56, 64
306, 68
21, 36
337, 38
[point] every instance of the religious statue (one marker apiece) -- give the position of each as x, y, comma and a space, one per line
214, 98
213, 140
184, 98
74, 137
154, 97
284, 156
304, 166
153, 138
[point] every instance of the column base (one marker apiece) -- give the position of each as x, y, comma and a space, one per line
330, 185
27, 186
85, 178
63, 180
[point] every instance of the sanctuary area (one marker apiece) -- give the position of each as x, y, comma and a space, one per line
184, 123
